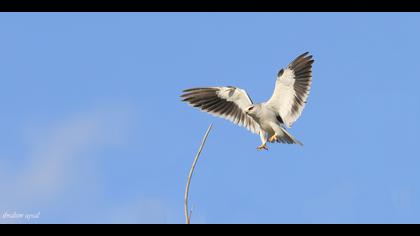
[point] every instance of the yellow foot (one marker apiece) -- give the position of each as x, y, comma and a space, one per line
262, 146
272, 138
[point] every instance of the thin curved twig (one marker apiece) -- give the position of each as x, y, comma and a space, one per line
187, 188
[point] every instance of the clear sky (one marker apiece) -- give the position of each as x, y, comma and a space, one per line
93, 130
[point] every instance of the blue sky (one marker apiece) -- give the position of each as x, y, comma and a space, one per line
93, 130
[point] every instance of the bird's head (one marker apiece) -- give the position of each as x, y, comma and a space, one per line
252, 110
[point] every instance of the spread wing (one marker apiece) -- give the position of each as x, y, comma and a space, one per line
292, 89
225, 102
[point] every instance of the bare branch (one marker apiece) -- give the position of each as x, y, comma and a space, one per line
187, 188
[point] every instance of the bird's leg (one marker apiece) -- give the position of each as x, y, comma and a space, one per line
277, 130
262, 146
263, 140
272, 138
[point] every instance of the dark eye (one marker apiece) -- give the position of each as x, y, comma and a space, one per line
249, 109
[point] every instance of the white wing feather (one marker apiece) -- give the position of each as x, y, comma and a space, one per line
225, 102
292, 89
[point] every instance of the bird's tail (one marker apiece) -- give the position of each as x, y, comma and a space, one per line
285, 137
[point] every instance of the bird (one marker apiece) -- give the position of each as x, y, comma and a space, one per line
270, 119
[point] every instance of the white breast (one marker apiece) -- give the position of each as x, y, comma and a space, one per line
266, 117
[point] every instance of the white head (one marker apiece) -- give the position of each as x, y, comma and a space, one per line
253, 110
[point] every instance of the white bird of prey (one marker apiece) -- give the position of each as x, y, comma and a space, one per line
268, 119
